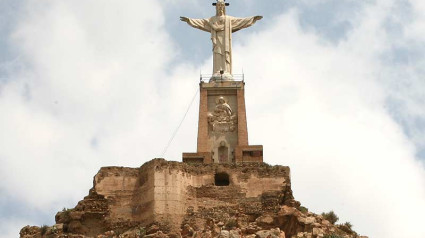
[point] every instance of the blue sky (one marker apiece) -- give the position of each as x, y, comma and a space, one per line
335, 89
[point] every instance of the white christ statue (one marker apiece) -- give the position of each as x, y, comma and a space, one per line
221, 28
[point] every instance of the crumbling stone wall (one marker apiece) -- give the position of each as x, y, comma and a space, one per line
171, 199
172, 193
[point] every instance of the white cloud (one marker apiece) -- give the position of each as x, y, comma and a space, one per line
11, 228
98, 89
321, 110
93, 79
415, 30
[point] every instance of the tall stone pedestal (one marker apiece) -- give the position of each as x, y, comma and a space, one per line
222, 127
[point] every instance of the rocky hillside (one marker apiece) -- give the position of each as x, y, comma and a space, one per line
172, 199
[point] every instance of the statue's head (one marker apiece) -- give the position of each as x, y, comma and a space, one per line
220, 7
221, 100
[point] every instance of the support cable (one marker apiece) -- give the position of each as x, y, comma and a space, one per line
181, 122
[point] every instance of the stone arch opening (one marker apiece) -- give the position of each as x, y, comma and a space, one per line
221, 179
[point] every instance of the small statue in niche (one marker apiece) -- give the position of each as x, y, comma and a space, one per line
223, 110
222, 118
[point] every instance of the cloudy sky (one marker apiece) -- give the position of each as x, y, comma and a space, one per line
334, 88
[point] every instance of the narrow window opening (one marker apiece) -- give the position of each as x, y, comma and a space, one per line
223, 154
222, 179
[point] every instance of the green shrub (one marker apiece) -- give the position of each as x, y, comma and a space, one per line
303, 209
330, 216
332, 236
67, 209
54, 229
231, 223
346, 227
66, 214
43, 229
141, 232
348, 224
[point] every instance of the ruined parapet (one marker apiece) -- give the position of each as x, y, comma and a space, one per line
162, 192
173, 199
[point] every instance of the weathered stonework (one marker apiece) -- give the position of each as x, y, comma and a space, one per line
173, 199
163, 192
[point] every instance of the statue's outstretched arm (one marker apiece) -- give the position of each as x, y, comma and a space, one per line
240, 23
201, 24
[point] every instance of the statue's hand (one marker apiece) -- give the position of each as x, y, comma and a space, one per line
257, 18
185, 19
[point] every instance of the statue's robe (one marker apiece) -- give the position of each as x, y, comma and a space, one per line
221, 29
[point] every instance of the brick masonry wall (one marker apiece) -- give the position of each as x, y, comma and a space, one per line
203, 121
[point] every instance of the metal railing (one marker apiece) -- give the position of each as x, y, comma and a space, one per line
207, 77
